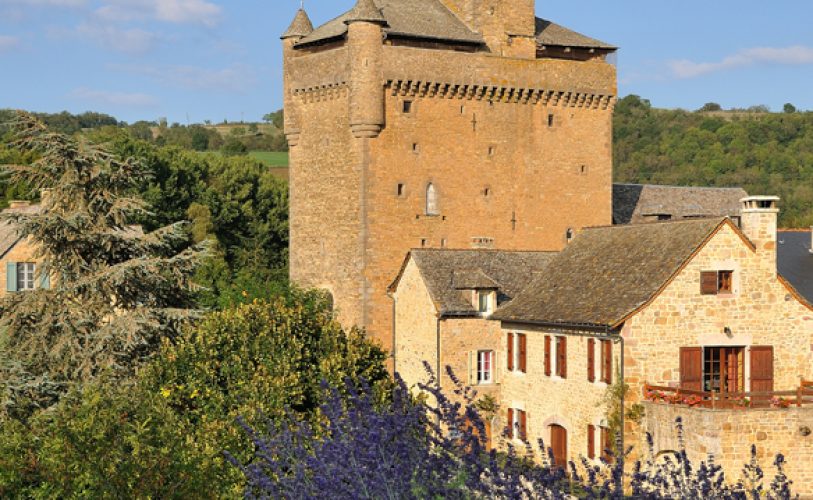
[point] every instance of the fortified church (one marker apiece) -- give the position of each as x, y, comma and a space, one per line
451, 188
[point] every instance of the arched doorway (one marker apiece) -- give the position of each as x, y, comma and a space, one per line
558, 443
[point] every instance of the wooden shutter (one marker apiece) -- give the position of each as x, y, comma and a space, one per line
591, 361
761, 369
607, 444
691, 368
523, 353
510, 351
11, 277
523, 425
547, 356
509, 428
472, 367
561, 357
591, 441
607, 358
708, 283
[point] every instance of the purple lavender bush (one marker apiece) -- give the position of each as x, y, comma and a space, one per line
407, 449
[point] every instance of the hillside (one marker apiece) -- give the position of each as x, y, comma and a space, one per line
765, 153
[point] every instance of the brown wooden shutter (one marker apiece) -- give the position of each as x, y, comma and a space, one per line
607, 444
761, 369
547, 356
561, 357
523, 425
708, 283
523, 353
607, 358
591, 361
510, 351
591, 441
691, 368
509, 428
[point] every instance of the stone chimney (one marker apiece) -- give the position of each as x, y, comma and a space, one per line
759, 223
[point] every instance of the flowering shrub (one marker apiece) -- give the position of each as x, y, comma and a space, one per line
780, 402
409, 449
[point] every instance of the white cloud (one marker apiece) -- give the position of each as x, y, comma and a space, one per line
137, 100
132, 40
170, 11
8, 42
237, 78
790, 56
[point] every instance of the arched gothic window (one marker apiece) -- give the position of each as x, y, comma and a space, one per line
431, 200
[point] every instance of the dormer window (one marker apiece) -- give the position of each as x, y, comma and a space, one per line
485, 301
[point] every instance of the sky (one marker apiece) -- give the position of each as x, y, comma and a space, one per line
196, 60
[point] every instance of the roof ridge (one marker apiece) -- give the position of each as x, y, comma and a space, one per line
695, 220
482, 250
672, 186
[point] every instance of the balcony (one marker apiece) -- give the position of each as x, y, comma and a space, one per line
800, 397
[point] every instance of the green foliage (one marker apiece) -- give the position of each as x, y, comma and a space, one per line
234, 147
613, 400
789, 108
762, 152
164, 434
276, 118
116, 292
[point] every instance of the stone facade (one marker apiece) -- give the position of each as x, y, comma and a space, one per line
729, 434
518, 149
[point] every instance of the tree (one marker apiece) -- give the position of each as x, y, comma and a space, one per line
710, 107
115, 292
275, 118
789, 108
234, 147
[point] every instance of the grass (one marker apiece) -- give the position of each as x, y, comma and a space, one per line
271, 158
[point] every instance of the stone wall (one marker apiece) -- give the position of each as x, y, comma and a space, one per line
729, 434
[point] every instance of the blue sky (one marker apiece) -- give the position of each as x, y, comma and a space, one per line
218, 59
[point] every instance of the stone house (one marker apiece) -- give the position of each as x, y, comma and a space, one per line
708, 329
18, 256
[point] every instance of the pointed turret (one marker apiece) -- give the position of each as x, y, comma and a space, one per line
300, 26
365, 11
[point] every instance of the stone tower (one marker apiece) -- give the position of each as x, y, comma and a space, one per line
438, 123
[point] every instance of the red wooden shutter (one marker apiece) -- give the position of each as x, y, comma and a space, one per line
547, 356
510, 351
708, 283
591, 441
523, 425
561, 357
591, 361
523, 353
607, 358
607, 445
509, 429
761, 369
691, 368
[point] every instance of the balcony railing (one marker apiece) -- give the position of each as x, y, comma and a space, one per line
802, 396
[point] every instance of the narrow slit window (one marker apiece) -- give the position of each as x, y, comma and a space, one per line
407, 107
431, 200
550, 120
401, 190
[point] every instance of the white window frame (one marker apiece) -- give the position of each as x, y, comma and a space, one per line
26, 276
485, 376
481, 296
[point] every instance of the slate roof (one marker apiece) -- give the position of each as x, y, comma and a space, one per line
447, 272
607, 273
8, 233
552, 34
366, 10
637, 203
427, 19
795, 261
300, 26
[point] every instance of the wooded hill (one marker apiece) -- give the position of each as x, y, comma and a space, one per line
765, 153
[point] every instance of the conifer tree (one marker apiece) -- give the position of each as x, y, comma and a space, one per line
109, 293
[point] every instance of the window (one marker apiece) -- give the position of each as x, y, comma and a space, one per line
484, 301
607, 361
486, 192
517, 424
724, 369
407, 107
431, 200
550, 120
548, 358
491, 150
591, 442
485, 367
415, 147
663, 217
423, 242
400, 190
443, 243
517, 352
569, 235
561, 357
25, 276
716, 282
607, 445
591, 361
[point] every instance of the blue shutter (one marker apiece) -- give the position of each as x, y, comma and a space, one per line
11, 277
45, 281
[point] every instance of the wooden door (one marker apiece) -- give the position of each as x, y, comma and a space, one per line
691, 368
558, 443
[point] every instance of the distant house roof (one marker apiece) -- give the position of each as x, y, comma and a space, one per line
427, 19
637, 203
608, 273
552, 34
795, 261
8, 233
448, 272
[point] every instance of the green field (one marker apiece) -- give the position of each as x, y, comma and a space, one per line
271, 158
